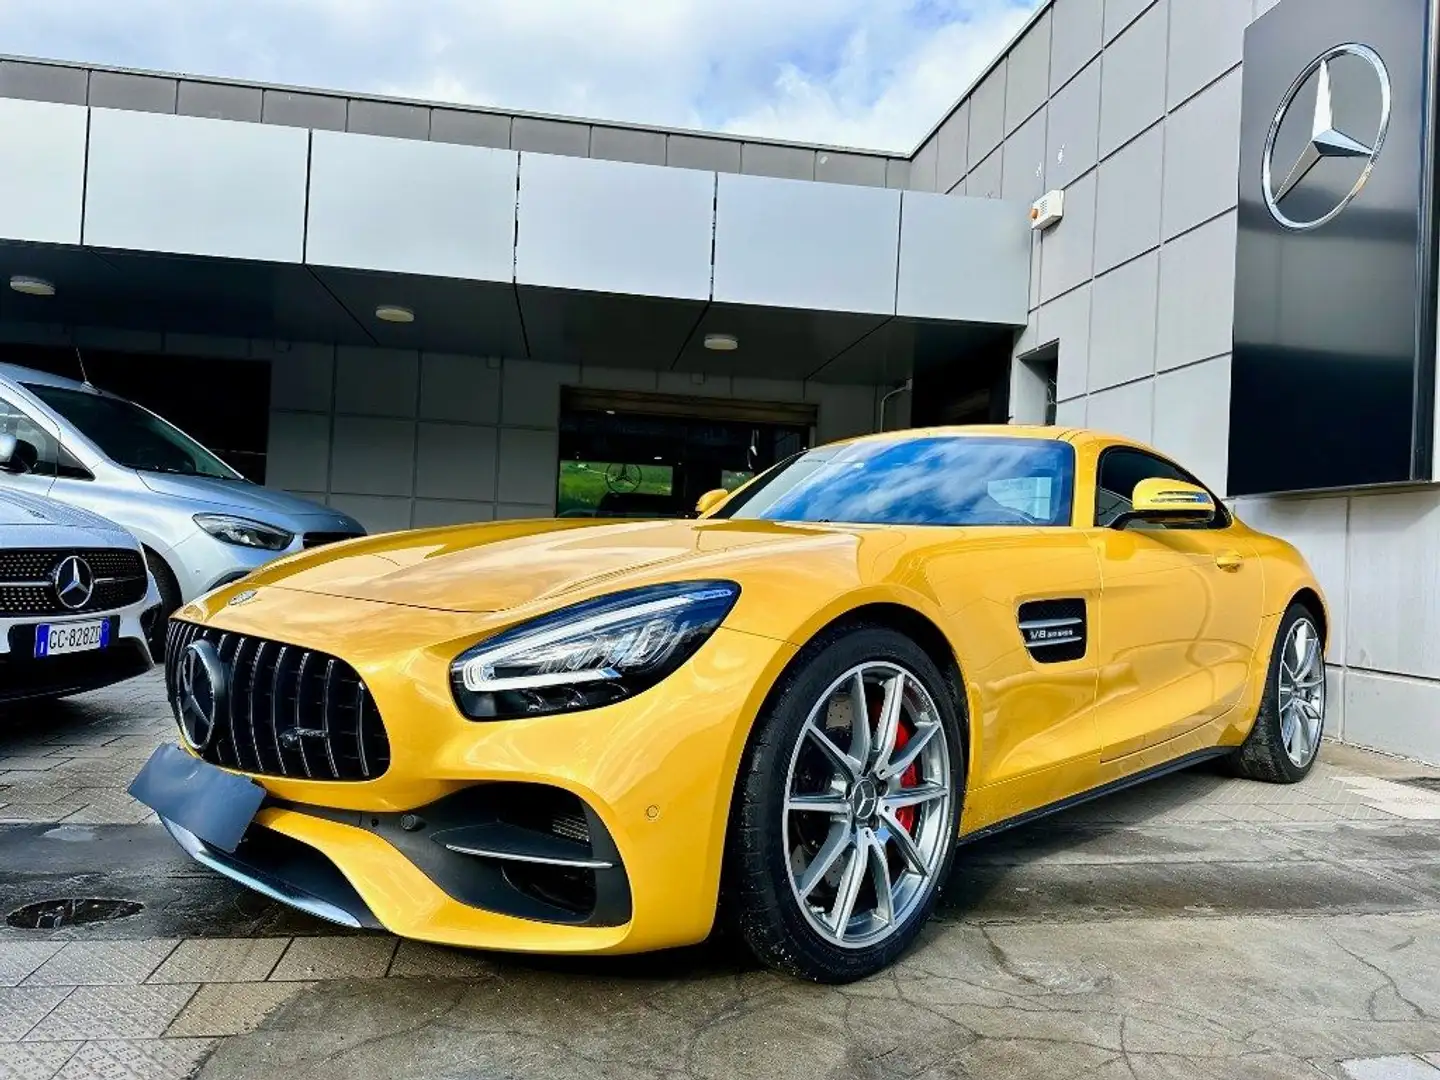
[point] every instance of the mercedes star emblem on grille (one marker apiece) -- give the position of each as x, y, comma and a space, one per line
74, 582
1326, 141
202, 696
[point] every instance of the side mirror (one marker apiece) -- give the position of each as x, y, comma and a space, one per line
710, 500
7, 449
1168, 502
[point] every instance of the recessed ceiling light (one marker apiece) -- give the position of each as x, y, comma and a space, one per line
32, 286
722, 342
394, 313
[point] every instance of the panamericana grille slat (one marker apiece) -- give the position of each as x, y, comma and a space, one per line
283, 700
26, 589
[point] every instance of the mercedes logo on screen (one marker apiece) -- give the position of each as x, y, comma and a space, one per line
1281, 178
74, 582
201, 695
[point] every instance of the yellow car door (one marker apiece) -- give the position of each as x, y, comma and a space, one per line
1180, 612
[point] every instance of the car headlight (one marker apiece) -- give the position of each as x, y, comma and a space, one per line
242, 532
591, 654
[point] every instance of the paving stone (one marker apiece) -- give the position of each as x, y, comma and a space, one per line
335, 958
103, 963
22, 1007
1389, 1068
137, 1059
418, 959
34, 1061
232, 1008
19, 958
221, 960
113, 1012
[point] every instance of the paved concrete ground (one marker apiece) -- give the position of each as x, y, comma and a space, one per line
1196, 927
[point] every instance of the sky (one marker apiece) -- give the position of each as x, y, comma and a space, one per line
869, 73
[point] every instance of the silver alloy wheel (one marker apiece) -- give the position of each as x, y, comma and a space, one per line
865, 822
1302, 693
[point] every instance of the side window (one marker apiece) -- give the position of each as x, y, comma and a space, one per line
37, 452
1121, 469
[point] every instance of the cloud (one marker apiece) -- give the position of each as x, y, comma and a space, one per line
875, 73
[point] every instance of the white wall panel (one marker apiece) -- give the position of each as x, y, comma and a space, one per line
614, 226
412, 207
1396, 715
1395, 578
42, 171
194, 186
1123, 410
964, 259
787, 243
1188, 403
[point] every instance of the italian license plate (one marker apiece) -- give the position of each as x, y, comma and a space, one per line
62, 638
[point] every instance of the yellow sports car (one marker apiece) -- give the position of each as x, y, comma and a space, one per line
599, 737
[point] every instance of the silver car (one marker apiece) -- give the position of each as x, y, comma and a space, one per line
76, 603
201, 523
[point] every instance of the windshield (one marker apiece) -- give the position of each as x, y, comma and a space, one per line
131, 436
941, 480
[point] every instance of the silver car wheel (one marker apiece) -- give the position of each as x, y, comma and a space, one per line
1302, 693
867, 805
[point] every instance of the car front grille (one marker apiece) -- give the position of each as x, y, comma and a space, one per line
26, 576
320, 539
291, 712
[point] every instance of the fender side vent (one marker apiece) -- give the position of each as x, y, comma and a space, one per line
1054, 631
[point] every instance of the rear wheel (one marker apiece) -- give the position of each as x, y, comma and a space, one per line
1285, 741
847, 809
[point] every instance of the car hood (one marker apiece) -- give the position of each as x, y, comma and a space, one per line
18, 508
489, 568
249, 500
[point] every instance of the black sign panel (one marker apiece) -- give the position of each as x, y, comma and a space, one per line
1333, 369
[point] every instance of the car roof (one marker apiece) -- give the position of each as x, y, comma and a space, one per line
1075, 436
18, 374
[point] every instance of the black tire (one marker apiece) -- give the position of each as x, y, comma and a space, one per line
759, 904
169, 602
1263, 754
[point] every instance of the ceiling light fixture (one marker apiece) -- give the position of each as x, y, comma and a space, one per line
722, 342
394, 313
32, 286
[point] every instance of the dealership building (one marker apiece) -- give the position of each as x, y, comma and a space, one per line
424, 313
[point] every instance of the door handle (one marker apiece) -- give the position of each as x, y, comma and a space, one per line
1229, 561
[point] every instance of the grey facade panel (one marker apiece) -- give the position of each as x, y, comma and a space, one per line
784, 162
924, 168
1074, 39
1132, 81
1122, 323
1207, 39
609, 226
1027, 82
1119, 14
137, 93
986, 179
1024, 161
1127, 210
550, 136
963, 259
219, 101
863, 170
1066, 320
470, 128
696, 152
295, 109
42, 171
987, 114
1202, 157
627, 144
897, 174
406, 206
951, 142
1068, 251
785, 243
43, 82
388, 118
1197, 294
1073, 129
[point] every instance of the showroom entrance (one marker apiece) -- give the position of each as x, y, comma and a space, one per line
653, 455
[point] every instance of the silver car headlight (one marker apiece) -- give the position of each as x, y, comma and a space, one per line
242, 532
591, 654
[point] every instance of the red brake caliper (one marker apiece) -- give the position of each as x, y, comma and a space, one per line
906, 814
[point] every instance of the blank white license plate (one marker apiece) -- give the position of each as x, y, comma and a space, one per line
71, 638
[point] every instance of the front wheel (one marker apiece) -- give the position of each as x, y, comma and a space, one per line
1285, 741
848, 808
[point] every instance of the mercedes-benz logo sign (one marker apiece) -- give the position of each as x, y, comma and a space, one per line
1326, 141
74, 582
201, 695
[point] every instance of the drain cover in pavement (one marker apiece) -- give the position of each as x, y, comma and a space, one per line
53, 914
